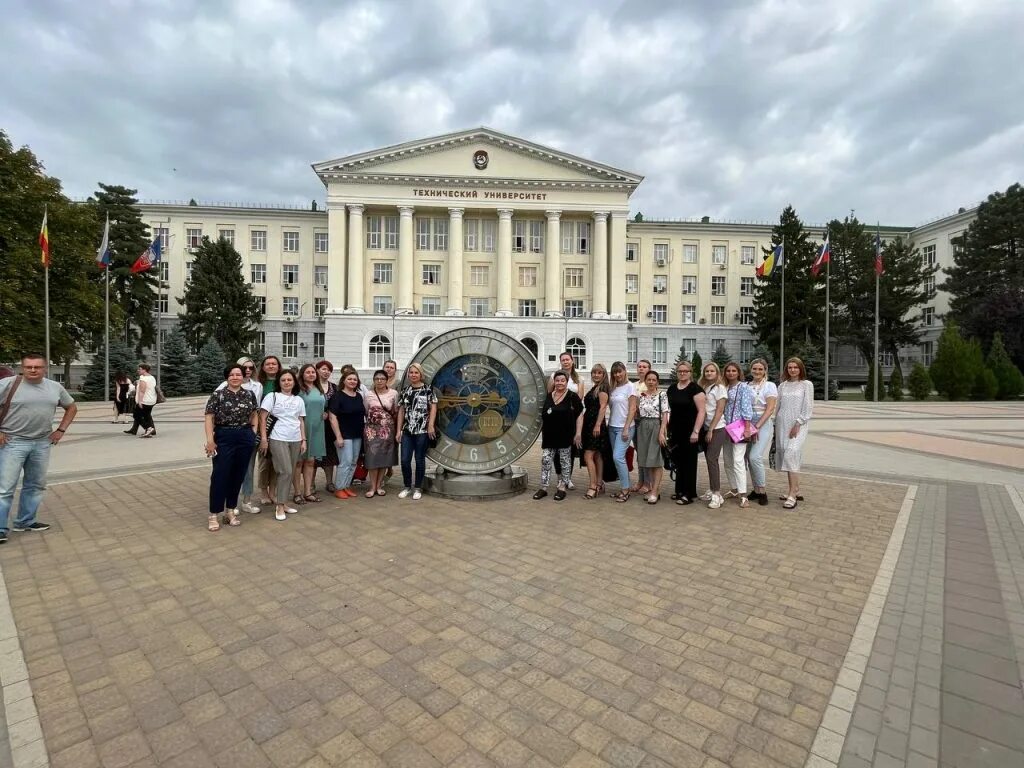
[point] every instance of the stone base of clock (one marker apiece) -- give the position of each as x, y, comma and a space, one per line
510, 481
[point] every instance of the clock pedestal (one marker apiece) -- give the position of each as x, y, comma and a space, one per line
502, 484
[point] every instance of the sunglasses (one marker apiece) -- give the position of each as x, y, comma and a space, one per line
248, 368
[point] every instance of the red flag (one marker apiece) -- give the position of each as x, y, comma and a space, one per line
44, 243
824, 257
879, 267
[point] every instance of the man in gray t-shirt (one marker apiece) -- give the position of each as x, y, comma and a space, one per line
26, 434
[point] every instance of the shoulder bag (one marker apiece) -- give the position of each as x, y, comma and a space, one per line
668, 448
7, 400
271, 418
735, 427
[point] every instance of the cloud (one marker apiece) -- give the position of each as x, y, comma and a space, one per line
732, 109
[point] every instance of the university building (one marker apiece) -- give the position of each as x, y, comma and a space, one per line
482, 228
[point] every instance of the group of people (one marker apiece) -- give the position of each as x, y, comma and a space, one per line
271, 429
137, 399
721, 414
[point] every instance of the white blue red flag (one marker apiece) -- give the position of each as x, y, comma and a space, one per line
149, 257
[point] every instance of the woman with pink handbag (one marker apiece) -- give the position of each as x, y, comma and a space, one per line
739, 413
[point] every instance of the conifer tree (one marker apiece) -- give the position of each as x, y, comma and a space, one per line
697, 363
122, 360
896, 385
953, 369
681, 356
919, 382
209, 366
177, 368
814, 362
721, 356
869, 388
1008, 376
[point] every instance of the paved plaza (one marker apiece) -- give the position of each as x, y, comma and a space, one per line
881, 623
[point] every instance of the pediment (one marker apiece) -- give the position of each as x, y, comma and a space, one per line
453, 157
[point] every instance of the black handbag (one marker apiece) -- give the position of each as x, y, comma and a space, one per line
271, 419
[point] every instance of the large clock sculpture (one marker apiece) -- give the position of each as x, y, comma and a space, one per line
490, 391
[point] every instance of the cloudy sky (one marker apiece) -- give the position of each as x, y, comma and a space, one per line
903, 111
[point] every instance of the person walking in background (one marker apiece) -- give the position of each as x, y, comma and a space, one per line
27, 405
622, 412
417, 410
379, 448
739, 409
715, 397
145, 399
652, 434
642, 367
121, 404
561, 428
282, 435
316, 407
347, 415
796, 402
390, 367
230, 420
595, 430
270, 369
686, 403
327, 388
765, 396
249, 384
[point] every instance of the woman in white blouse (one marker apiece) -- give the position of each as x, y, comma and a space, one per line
765, 396
796, 401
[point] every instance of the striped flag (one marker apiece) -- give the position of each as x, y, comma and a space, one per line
772, 262
103, 252
44, 242
824, 257
879, 267
149, 257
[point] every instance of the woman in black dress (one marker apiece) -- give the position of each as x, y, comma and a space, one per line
686, 402
122, 408
561, 428
327, 388
595, 429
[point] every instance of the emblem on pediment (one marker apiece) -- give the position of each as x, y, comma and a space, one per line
480, 159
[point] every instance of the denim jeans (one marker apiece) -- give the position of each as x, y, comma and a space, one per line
757, 453
414, 445
234, 457
619, 448
32, 456
348, 455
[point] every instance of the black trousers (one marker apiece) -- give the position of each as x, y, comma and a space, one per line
684, 455
234, 448
142, 416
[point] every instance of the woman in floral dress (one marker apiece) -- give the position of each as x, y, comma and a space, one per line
379, 446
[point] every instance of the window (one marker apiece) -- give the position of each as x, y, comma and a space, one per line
479, 307
661, 283
440, 234
746, 286
382, 272
258, 240
582, 237
537, 237
956, 243
194, 237
382, 305
527, 277
632, 284
227, 235
689, 284
163, 235
573, 308
689, 253
531, 345
689, 314
471, 235
574, 277
263, 304
718, 254
161, 305
423, 341
431, 274
928, 255
886, 359
659, 354
632, 311
927, 352
746, 350
658, 313
660, 254
290, 344
716, 344
928, 316
320, 242
718, 315
379, 351
577, 347
319, 337
261, 342
718, 285
518, 236
488, 230
290, 274
373, 232
632, 354
747, 255
391, 233
188, 270
632, 251
565, 231
319, 306
290, 306
423, 234
165, 271
431, 306
479, 274
929, 285
746, 315
527, 307
320, 276
290, 242
689, 346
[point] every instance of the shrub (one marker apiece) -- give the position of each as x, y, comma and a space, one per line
896, 385
919, 382
869, 390
955, 366
1008, 376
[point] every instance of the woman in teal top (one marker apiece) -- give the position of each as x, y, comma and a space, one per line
316, 447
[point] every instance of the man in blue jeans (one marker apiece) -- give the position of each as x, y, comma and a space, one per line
27, 405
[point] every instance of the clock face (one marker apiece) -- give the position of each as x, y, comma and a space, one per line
490, 391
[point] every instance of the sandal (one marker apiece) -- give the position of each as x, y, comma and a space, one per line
311, 497
297, 499
381, 492
370, 494
744, 502
540, 494
591, 493
213, 523
683, 501
231, 517
621, 496
331, 488
789, 503
559, 494
653, 498
798, 497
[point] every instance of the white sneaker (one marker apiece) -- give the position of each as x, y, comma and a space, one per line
715, 502
280, 515
708, 496
291, 510
570, 486
417, 494
404, 493
251, 508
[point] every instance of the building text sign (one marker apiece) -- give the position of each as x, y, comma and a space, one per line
443, 193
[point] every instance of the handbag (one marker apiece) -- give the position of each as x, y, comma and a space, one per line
7, 400
160, 396
736, 428
271, 419
360, 471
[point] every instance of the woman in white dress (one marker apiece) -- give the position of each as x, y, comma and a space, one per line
796, 401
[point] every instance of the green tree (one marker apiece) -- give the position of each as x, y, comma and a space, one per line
986, 282
129, 238
869, 389
1008, 376
697, 364
218, 302
178, 374
721, 356
953, 369
209, 366
763, 352
896, 385
919, 382
805, 295
122, 360
681, 356
814, 362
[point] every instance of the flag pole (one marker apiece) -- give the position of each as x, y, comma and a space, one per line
46, 290
877, 362
828, 315
782, 313
106, 339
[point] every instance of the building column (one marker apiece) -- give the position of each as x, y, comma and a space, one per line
599, 267
617, 251
405, 277
355, 260
552, 266
504, 264
456, 299
337, 266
